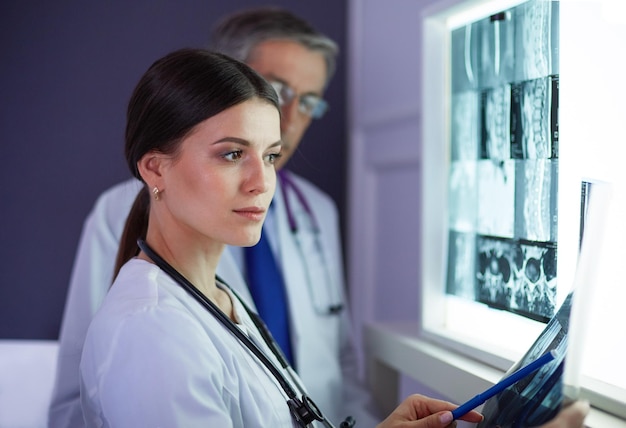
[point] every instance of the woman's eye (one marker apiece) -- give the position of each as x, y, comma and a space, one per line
233, 156
273, 157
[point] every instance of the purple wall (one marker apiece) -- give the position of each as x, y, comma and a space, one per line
66, 72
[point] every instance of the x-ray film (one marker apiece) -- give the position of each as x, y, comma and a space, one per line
517, 276
461, 264
537, 398
534, 119
536, 199
503, 160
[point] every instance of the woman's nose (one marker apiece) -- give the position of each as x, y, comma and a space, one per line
260, 176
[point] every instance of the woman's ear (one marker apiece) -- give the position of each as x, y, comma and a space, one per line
150, 167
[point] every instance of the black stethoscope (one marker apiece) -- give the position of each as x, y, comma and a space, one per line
333, 304
303, 410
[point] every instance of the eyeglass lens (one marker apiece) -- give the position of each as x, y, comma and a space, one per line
308, 104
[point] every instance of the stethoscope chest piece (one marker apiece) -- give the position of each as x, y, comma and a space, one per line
305, 411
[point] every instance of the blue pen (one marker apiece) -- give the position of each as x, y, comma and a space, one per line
503, 384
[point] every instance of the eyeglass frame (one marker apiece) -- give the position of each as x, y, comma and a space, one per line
311, 105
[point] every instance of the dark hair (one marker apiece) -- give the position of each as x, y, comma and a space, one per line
175, 94
238, 34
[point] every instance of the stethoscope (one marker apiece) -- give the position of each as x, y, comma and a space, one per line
303, 410
333, 305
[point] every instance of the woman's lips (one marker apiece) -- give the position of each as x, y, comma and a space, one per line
252, 213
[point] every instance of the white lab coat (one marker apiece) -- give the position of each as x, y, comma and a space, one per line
322, 344
155, 357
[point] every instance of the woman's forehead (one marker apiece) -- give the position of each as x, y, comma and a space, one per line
254, 120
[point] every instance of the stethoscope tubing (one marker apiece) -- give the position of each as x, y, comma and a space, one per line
245, 340
288, 183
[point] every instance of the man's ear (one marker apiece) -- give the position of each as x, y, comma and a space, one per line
150, 168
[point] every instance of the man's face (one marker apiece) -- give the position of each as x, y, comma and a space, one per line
299, 68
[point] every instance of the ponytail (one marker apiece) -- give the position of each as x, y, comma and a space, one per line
136, 227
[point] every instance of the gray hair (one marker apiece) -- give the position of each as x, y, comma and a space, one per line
239, 33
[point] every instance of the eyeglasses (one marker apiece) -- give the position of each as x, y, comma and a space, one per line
309, 104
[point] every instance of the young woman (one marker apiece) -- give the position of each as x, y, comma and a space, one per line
172, 345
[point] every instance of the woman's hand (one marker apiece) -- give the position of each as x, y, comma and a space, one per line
572, 416
418, 411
